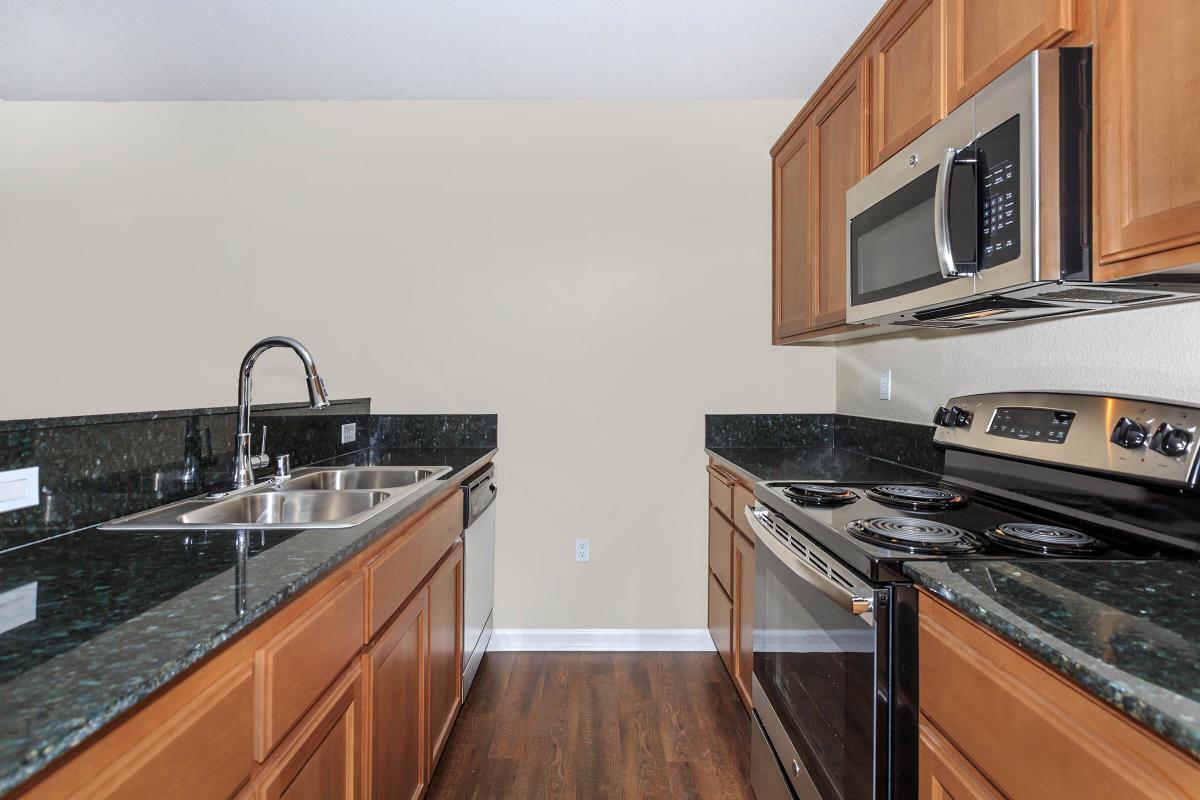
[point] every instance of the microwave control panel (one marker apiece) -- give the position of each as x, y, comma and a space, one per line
999, 194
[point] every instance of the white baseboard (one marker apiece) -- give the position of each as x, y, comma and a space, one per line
601, 639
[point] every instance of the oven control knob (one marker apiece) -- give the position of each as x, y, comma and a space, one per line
939, 416
1129, 433
957, 418
1170, 441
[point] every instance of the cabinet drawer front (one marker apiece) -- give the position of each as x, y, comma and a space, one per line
742, 497
945, 773
720, 549
396, 572
1021, 724
720, 490
720, 621
204, 751
294, 668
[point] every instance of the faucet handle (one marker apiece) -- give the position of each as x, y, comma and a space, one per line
262, 459
263, 451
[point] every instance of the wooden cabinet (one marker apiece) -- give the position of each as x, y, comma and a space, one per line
743, 609
720, 549
839, 151
944, 773
908, 94
397, 684
445, 651
1147, 69
322, 759
791, 223
1018, 722
985, 38
720, 621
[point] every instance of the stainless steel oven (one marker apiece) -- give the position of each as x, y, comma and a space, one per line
825, 697
969, 223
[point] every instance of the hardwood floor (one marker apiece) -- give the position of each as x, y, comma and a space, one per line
598, 725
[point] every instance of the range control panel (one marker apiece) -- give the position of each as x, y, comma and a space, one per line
1142, 439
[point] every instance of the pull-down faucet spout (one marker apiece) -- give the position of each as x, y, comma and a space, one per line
243, 462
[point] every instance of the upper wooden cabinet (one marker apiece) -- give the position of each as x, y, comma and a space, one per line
986, 37
908, 92
1148, 165
839, 134
792, 251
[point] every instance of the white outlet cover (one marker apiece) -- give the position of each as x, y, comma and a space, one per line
349, 432
583, 550
18, 489
885, 384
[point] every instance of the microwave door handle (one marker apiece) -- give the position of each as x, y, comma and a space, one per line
941, 216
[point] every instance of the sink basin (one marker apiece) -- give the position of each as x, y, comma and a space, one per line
314, 497
284, 508
352, 478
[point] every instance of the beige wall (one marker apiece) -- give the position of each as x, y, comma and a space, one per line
596, 273
1149, 352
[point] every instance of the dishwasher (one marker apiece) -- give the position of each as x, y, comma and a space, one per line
479, 569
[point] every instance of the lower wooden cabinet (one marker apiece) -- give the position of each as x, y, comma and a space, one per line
397, 681
731, 578
322, 758
445, 651
743, 609
945, 773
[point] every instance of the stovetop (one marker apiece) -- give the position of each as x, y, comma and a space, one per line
874, 529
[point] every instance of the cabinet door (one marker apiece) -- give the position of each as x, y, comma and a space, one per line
396, 681
792, 258
720, 621
945, 774
743, 615
1147, 72
984, 38
445, 651
908, 93
322, 758
839, 138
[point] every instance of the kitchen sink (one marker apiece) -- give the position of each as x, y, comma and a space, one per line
314, 497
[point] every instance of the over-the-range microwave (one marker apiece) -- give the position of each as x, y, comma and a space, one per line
987, 217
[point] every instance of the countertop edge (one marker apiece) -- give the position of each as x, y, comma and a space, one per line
138, 696
1061, 660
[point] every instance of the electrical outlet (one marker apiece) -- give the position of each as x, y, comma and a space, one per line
885, 385
349, 432
583, 550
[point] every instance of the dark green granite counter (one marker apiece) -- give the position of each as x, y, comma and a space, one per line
1125, 631
118, 615
814, 463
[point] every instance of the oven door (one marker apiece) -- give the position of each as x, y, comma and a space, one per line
820, 678
912, 225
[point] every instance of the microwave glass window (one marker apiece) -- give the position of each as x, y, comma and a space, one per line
902, 243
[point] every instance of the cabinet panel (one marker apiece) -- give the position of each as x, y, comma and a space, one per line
743, 616
742, 496
720, 621
1148, 176
986, 38
322, 759
839, 137
908, 93
294, 667
945, 774
396, 681
720, 490
720, 549
792, 255
1019, 722
445, 651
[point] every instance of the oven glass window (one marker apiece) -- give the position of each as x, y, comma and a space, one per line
816, 663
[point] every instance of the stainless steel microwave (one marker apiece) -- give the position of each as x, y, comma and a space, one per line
987, 217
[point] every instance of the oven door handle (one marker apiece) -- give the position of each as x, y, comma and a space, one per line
809, 572
941, 214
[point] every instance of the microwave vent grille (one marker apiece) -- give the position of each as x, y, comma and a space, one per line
1083, 294
931, 323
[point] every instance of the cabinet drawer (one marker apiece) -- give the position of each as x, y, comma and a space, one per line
396, 572
1021, 724
945, 773
294, 668
720, 621
742, 497
720, 490
720, 549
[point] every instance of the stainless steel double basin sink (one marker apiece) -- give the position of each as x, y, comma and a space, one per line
314, 497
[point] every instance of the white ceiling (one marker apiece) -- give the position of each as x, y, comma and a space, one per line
421, 49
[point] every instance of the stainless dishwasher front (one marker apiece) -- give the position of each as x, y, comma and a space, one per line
479, 569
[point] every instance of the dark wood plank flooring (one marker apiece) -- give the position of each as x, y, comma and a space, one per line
598, 725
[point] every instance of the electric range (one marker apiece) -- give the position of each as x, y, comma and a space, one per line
1027, 475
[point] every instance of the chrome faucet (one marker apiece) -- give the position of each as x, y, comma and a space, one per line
243, 461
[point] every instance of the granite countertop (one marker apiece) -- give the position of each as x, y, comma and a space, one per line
815, 462
1127, 632
118, 615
